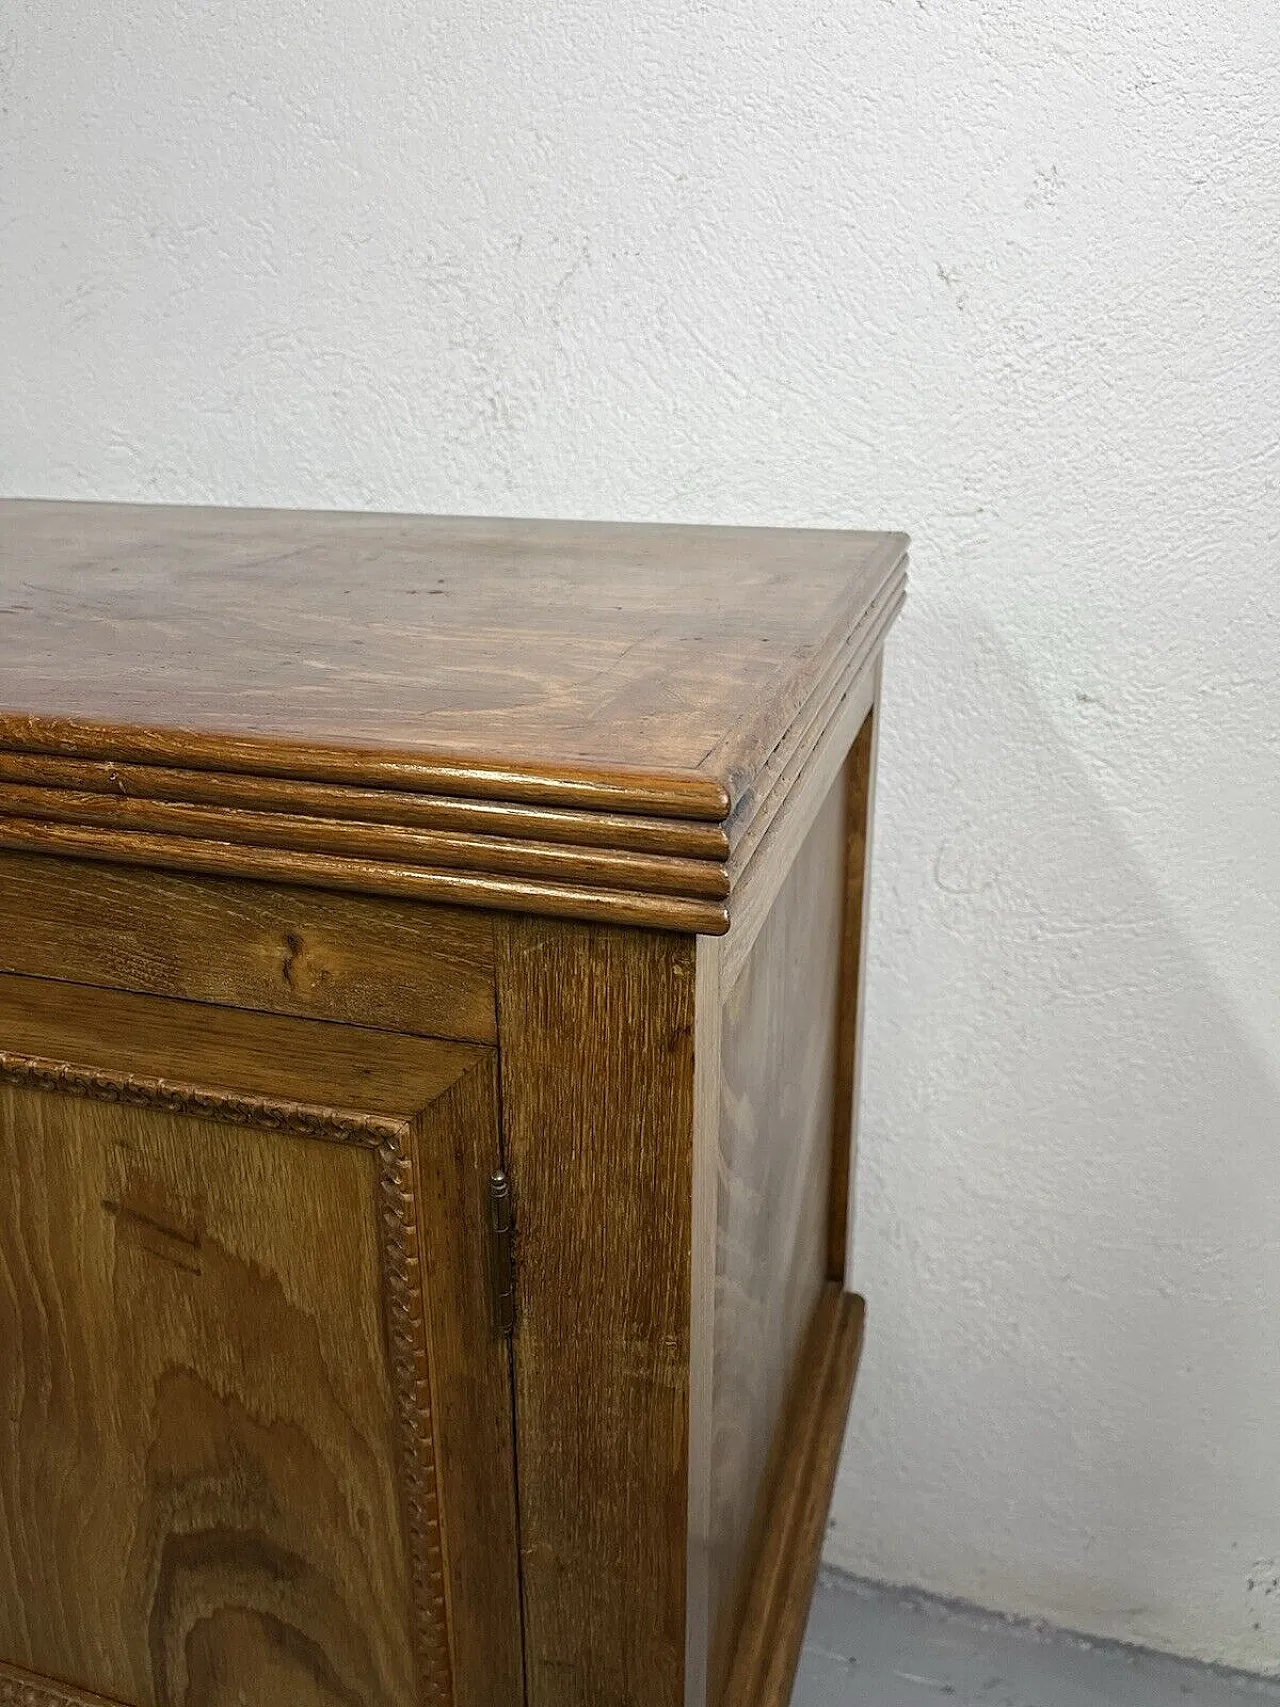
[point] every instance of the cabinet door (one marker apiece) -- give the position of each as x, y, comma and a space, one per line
255, 1418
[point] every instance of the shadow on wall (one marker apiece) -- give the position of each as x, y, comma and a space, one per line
1068, 1227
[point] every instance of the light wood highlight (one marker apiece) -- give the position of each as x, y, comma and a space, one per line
777, 1607
764, 866
786, 760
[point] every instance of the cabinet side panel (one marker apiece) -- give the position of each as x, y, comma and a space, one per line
860, 787
596, 1032
779, 1050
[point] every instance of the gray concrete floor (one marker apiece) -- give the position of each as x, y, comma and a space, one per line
872, 1647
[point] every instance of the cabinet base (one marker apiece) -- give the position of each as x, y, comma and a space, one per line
777, 1607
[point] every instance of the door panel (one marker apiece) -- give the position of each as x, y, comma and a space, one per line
254, 1421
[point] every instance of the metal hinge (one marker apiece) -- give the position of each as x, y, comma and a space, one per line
502, 1242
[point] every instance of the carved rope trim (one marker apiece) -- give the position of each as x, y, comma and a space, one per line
409, 1358
408, 1351
273, 1114
20, 1689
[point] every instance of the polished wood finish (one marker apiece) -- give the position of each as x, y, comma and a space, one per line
762, 865
369, 806
523, 731
243, 1447
622, 870
346, 864
366, 876
789, 758
577, 656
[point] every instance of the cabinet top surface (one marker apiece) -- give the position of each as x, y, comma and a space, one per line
346, 645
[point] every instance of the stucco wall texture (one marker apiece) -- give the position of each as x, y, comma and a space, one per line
1006, 275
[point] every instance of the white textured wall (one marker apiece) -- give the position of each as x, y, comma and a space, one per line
1003, 274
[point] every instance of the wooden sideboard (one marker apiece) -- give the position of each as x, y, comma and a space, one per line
429, 995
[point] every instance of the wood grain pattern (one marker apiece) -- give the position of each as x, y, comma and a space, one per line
859, 794
704, 1210
541, 646
777, 1607
429, 778
624, 830
260, 1055
179, 1096
531, 716
204, 1401
581, 785
368, 876
597, 1091
214, 1493
611, 869
392, 964
779, 1048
